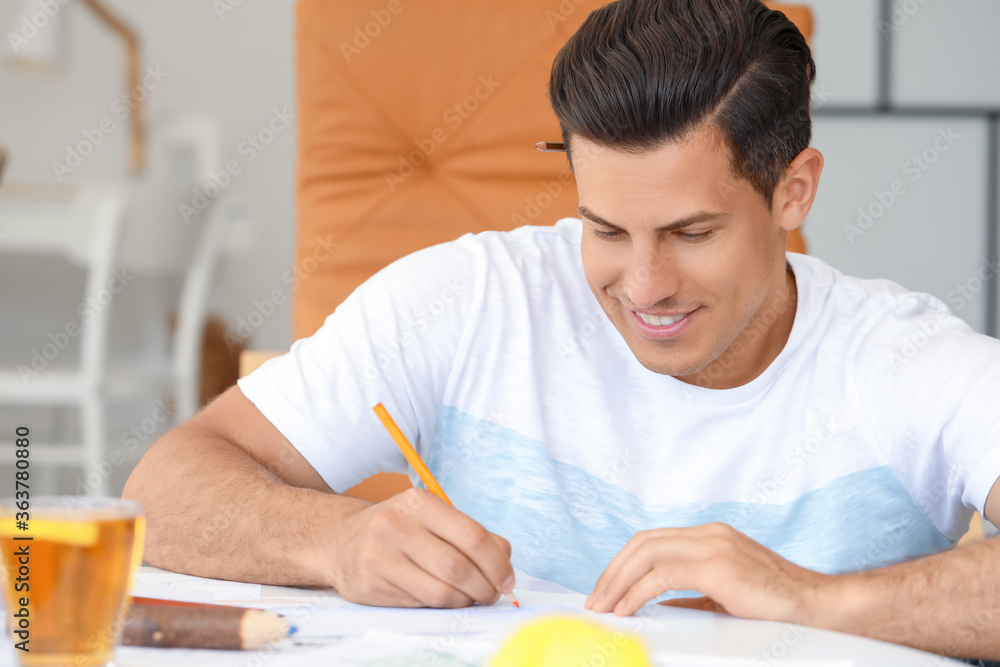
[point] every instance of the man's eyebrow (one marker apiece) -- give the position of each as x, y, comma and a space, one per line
693, 219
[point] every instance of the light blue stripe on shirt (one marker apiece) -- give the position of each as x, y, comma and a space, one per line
565, 524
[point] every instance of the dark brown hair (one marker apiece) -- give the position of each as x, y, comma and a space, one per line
641, 73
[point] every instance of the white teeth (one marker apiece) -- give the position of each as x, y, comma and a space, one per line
659, 321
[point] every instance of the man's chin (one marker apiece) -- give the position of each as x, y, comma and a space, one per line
678, 368
659, 361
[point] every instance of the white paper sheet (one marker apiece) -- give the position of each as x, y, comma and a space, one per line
171, 586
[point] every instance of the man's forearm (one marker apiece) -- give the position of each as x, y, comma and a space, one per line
214, 511
948, 603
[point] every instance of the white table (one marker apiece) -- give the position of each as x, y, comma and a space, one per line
335, 632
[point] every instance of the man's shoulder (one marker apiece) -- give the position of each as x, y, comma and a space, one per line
477, 268
561, 239
550, 242
552, 245
565, 232
881, 325
526, 254
859, 299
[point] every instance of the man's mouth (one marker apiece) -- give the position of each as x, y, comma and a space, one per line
662, 320
660, 327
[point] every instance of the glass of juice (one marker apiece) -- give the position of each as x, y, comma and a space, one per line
68, 565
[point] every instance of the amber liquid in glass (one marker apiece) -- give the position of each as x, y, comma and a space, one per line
76, 592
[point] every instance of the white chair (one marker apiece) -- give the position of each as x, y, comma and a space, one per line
85, 225
90, 225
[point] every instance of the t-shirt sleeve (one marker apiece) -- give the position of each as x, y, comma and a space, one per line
930, 388
392, 341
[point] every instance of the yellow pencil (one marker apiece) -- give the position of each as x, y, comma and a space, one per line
418, 464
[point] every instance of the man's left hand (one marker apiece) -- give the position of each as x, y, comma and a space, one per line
735, 574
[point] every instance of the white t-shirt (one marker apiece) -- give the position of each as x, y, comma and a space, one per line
867, 441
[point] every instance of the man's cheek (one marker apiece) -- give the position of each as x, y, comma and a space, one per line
600, 271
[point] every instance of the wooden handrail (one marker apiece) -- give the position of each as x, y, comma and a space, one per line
131, 39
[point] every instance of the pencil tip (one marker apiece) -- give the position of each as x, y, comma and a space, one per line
517, 604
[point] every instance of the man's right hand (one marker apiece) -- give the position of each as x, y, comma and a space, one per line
416, 550
276, 521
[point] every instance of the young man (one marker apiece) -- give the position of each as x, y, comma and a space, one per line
651, 401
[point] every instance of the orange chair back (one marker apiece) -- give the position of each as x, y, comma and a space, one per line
417, 125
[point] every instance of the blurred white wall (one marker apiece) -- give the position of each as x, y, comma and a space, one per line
237, 65
906, 194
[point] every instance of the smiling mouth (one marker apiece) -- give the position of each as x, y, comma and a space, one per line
660, 321
660, 327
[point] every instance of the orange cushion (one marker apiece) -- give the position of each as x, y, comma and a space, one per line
418, 126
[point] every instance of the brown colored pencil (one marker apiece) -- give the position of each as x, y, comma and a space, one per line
164, 624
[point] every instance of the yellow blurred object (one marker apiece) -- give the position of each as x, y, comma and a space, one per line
569, 641
976, 533
138, 544
76, 533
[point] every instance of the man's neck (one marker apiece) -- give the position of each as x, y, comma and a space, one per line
758, 344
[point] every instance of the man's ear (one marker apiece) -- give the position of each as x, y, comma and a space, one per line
795, 193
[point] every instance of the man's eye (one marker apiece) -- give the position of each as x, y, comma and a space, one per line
687, 236
699, 236
605, 235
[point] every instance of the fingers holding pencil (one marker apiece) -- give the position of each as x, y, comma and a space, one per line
467, 555
416, 547
506, 583
429, 588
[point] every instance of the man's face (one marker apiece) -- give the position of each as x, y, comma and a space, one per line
679, 295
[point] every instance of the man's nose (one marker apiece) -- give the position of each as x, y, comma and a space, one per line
650, 278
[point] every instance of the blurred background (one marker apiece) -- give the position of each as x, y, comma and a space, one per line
150, 231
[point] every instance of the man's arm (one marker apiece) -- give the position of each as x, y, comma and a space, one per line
947, 603
226, 495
